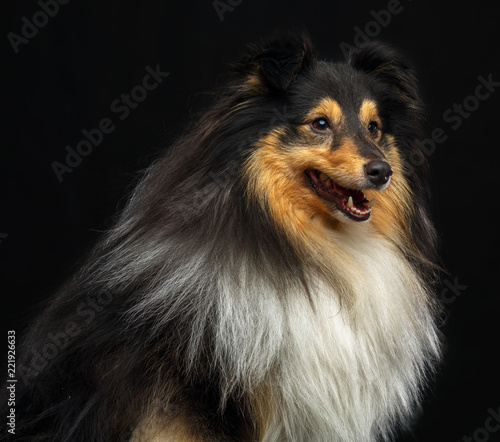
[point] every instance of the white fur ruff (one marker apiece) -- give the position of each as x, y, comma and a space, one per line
339, 373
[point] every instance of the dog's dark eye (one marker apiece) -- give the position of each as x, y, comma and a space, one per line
320, 124
373, 128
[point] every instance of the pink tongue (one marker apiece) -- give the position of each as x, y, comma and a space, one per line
341, 192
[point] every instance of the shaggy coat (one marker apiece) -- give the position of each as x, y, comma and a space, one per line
249, 291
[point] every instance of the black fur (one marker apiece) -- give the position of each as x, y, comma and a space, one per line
98, 385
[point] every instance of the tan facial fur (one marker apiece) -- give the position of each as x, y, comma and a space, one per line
276, 176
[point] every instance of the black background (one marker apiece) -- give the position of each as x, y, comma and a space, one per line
65, 78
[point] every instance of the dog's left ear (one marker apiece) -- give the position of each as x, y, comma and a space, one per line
275, 64
388, 66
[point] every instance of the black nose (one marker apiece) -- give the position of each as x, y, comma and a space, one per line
378, 172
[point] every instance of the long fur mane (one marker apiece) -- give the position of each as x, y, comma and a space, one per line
210, 306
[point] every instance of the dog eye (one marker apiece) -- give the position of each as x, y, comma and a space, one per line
373, 128
320, 125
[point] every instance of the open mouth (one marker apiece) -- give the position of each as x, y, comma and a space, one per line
351, 202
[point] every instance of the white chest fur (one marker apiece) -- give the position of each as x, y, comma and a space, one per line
340, 373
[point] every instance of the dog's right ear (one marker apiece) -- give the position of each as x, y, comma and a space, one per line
275, 64
385, 64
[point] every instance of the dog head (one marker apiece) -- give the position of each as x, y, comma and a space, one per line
341, 138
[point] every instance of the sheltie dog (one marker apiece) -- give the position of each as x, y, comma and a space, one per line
270, 278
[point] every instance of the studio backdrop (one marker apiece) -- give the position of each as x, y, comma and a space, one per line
95, 91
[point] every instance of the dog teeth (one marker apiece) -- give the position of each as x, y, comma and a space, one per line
355, 210
359, 211
323, 176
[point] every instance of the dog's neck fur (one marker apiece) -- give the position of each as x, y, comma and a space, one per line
338, 372
313, 367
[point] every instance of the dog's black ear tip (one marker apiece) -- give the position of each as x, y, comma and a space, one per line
375, 54
384, 62
277, 61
